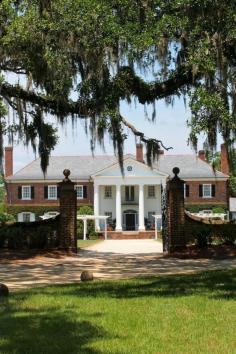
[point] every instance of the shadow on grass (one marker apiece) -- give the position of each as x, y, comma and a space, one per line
46, 331
213, 284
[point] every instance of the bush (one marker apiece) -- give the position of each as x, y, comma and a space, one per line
202, 236
218, 210
4, 217
232, 186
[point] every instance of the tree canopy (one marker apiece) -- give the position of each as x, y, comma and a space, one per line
78, 59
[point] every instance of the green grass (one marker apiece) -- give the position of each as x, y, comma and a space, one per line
87, 243
171, 314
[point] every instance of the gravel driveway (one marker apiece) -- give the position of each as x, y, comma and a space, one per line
111, 259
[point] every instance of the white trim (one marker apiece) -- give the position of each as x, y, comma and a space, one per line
30, 196
110, 167
49, 187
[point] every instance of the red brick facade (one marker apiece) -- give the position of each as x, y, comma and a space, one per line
39, 198
221, 193
8, 161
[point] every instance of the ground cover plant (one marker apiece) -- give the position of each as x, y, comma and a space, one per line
171, 314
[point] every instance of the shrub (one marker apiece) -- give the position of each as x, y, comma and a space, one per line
4, 217
232, 186
218, 210
202, 236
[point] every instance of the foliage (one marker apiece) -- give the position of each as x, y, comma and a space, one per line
232, 186
37, 210
92, 316
81, 59
198, 207
214, 159
218, 210
39, 235
202, 236
4, 217
86, 210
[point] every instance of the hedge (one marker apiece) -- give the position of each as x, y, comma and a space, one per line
37, 210
198, 207
38, 235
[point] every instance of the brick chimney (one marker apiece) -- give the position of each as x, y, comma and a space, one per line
8, 161
139, 152
224, 160
201, 155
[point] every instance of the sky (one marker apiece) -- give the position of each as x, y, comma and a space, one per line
170, 127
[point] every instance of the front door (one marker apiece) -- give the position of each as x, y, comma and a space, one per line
130, 222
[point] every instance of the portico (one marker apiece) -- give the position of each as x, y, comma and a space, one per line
131, 200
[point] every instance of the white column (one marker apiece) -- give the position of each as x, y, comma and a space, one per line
118, 208
155, 228
85, 228
96, 206
141, 208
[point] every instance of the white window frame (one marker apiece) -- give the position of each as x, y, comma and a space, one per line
153, 189
29, 194
49, 188
109, 194
203, 191
81, 187
129, 199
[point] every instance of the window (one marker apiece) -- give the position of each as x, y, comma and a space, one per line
52, 192
26, 192
108, 192
79, 192
26, 217
186, 190
151, 191
207, 190
129, 193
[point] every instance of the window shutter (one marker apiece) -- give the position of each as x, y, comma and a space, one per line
213, 190
132, 193
58, 192
32, 192
85, 192
200, 190
187, 190
19, 192
45, 192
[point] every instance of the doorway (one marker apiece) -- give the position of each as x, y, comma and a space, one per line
130, 217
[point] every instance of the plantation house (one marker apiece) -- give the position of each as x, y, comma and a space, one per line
130, 201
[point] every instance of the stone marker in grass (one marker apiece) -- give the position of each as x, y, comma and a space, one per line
86, 276
3, 290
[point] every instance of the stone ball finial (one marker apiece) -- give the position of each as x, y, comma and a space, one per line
66, 173
176, 171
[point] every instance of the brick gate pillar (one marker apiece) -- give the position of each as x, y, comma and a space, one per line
175, 213
68, 214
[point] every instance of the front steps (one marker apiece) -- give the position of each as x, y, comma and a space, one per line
130, 235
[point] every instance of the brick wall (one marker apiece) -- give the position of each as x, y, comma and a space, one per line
12, 194
221, 193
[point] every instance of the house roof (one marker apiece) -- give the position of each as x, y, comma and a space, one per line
83, 167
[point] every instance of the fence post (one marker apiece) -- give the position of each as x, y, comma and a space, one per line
68, 214
175, 213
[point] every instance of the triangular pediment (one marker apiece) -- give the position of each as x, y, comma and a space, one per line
132, 168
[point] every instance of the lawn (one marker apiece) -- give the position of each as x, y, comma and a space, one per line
171, 314
87, 243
